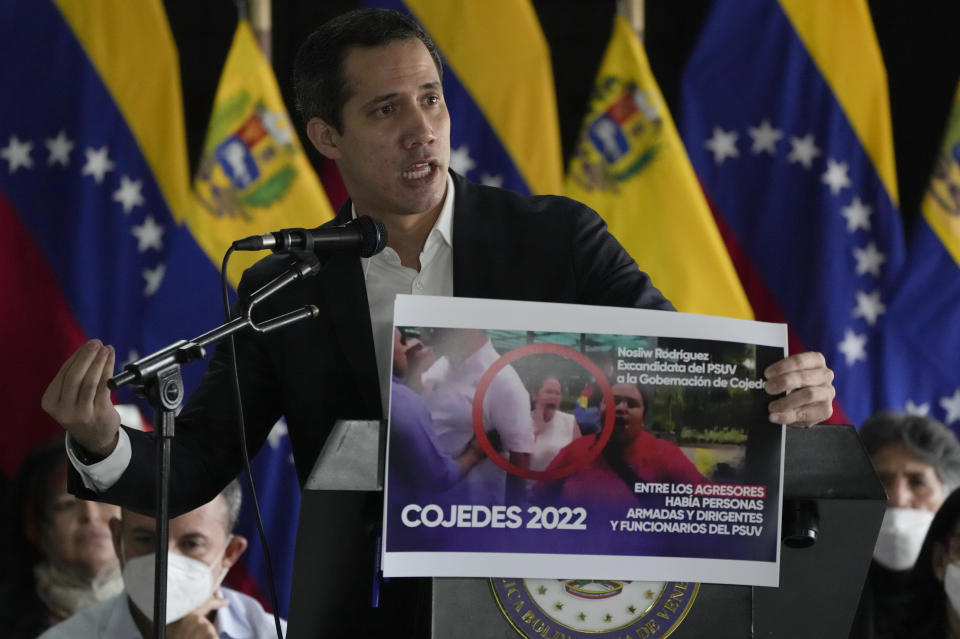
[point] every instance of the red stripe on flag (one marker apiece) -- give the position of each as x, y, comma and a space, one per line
40, 332
333, 184
765, 308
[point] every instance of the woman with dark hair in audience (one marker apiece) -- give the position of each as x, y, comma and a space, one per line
935, 611
59, 555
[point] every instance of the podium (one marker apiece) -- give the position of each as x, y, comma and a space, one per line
833, 506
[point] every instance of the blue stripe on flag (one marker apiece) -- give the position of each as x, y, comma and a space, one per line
774, 150
129, 272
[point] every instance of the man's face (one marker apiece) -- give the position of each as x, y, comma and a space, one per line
628, 418
909, 481
394, 149
75, 533
200, 534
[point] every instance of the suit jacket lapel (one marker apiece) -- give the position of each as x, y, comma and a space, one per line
344, 293
468, 261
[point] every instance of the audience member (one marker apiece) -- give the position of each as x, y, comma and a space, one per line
918, 462
934, 606
61, 559
201, 551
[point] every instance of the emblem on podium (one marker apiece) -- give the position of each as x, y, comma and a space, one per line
593, 608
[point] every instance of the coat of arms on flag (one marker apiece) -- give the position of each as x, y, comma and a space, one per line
247, 161
622, 136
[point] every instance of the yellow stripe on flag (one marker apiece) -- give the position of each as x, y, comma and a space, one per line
500, 55
631, 167
842, 42
131, 47
941, 204
253, 176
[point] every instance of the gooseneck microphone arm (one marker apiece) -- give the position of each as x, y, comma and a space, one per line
158, 376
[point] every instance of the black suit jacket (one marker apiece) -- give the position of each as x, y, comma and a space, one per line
543, 248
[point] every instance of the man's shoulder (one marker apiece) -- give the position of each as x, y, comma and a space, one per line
492, 200
247, 613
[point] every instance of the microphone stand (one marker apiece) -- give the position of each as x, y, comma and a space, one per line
158, 377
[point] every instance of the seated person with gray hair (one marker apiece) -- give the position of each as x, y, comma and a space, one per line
202, 549
918, 461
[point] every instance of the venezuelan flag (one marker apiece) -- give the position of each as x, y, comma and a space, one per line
786, 120
253, 176
499, 90
923, 338
630, 166
93, 178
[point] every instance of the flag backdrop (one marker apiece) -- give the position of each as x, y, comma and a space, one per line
630, 166
93, 175
104, 236
786, 120
499, 90
923, 337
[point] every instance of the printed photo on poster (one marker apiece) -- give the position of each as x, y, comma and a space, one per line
563, 449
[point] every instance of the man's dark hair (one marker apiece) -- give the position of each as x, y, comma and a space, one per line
318, 81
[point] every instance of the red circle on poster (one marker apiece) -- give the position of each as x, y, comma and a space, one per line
533, 349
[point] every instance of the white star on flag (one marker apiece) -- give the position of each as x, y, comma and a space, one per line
869, 307
59, 148
853, 347
952, 406
153, 277
149, 235
921, 410
765, 138
491, 180
17, 154
857, 215
723, 145
836, 176
129, 194
869, 260
460, 160
98, 163
277, 433
803, 150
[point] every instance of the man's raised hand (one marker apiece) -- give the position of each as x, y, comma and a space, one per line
78, 398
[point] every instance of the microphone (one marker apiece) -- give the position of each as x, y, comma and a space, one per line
365, 235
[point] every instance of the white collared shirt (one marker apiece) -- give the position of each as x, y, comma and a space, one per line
386, 277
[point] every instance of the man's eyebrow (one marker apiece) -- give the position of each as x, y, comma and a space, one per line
428, 86
378, 99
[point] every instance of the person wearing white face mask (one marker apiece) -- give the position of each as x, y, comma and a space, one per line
201, 551
918, 462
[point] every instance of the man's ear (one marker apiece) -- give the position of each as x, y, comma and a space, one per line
324, 137
235, 548
116, 531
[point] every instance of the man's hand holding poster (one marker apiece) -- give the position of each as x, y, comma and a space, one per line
551, 441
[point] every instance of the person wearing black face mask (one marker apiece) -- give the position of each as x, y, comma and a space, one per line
918, 462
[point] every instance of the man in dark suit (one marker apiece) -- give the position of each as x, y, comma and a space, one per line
369, 88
